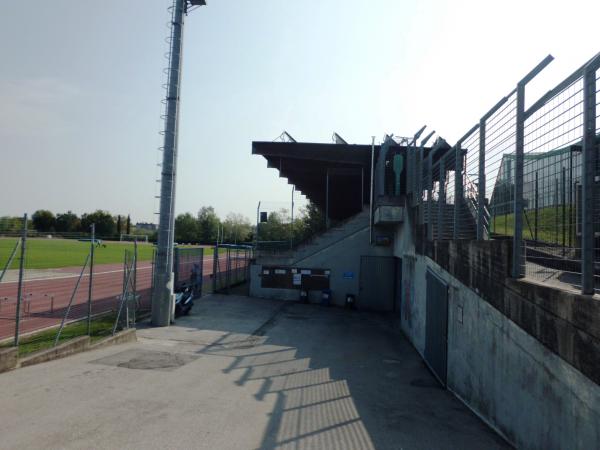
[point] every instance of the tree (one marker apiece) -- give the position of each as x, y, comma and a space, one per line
311, 222
237, 228
208, 225
128, 231
43, 220
277, 227
11, 224
105, 223
67, 222
186, 228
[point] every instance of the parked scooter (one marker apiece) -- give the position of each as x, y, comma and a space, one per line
184, 301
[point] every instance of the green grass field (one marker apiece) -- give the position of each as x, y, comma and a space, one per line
56, 253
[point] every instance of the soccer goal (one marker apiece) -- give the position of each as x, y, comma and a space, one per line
133, 237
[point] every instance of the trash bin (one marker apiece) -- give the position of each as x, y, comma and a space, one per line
303, 296
350, 301
326, 297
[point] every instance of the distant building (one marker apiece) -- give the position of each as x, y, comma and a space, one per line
145, 226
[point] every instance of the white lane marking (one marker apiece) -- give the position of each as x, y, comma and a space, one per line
74, 275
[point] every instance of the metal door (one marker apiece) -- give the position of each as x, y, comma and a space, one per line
376, 288
436, 343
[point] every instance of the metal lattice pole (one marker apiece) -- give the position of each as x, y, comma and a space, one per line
162, 295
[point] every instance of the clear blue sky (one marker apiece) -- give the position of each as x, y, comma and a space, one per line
81, 87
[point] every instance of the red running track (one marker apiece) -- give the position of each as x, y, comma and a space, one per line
45, 300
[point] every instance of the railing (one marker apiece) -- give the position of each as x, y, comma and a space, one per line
529, 176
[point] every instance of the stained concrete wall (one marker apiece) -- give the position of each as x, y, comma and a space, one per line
341, 257
518, 385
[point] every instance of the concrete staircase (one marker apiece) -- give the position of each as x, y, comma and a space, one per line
322, 241
467, 229
332, 236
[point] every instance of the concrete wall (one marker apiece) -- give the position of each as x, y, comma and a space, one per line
505, 373
341, 257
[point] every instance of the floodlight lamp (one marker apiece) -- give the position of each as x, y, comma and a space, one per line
190, 5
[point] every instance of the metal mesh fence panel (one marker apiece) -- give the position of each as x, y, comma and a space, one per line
188, 268
231, 267
55, 288
552, 188
475, 189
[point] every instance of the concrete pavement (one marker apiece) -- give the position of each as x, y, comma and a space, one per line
242, 373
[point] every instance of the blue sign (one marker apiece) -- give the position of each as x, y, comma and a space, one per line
349, 275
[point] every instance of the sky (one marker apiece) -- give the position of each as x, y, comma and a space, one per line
81, 88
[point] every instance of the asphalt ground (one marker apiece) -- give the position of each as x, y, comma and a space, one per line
243, 373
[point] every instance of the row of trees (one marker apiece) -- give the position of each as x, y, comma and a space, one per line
45, 221
279, 228
206, 227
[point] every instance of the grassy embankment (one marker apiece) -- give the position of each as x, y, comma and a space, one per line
550, 225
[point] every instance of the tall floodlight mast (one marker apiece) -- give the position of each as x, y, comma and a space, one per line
163, 287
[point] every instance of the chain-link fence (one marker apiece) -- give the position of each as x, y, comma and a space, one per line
529, 175
54, 289
231, 267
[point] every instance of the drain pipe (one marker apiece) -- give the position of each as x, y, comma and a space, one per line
372, 179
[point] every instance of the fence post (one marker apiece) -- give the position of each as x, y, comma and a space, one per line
556, 199
20, 284
228, 269
458, 190
215, 266
481, 181
564, 207
135, 260
441, 199
536, 206
91, 280
517, 269
134, 286
588, 175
